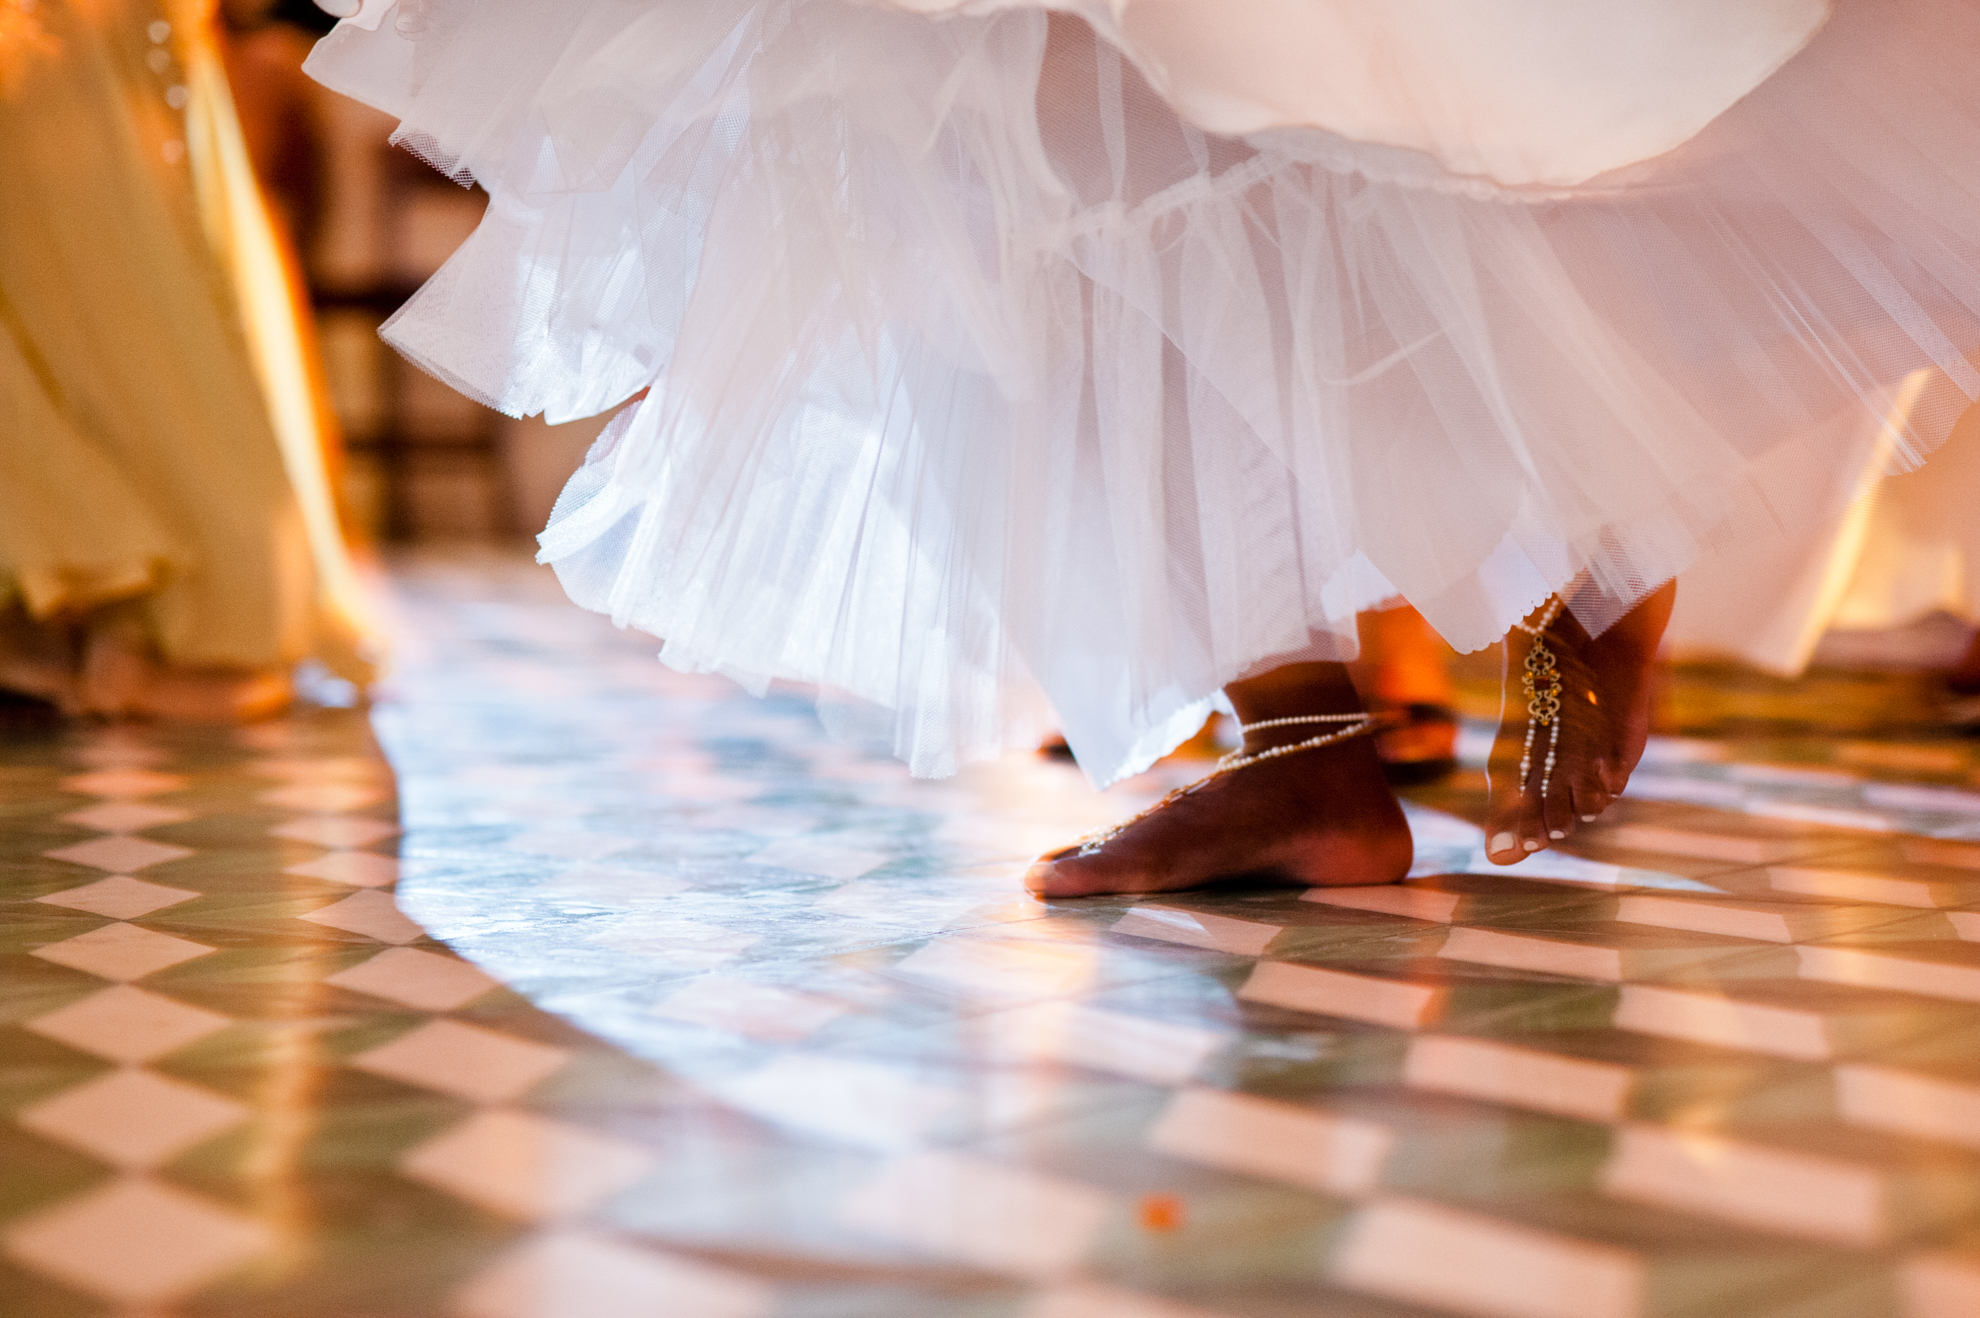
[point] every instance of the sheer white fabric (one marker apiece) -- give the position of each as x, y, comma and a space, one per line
984, 386
1519, 91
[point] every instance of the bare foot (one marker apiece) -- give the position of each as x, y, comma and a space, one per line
1606, 687
1314, 818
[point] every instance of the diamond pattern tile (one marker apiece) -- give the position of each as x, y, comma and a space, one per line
464, 1060
136, 1242
128, 1024
759, 1011
1277, 1141
124, 816
985, 1214
118, 853
1500, 1267
133, 1119
120, 896
121, 951
569, 1275
707, 1014
360, 869
124, 783
328, 798
370, 913
424, 980
340, 831
525, 1166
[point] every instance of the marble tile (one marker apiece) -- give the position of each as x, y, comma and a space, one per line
779, 1032
1909, 1103
338, 831
861, 1103
121, 951
1857, 886
1001, 967
1934, 971
1143, 1048
370, 913
1316, 1150
425, 981
1218, 933
118, 852
128, 1024
1779, 1024
675, 941
745, 1007
1521, 1077
1094, 1300
323, 768
1940, 1286
1484, 1265
569, 843
482, 1066
1413, 902
359, 869
1762, 921
134, 1120
1398, 1003
820, 856
118, 748
569, 1274
1940, 851
984, 1214
526, 1167
1731, 848
612, 885
120, 896
324, 797
1781, 1190
136, 1242
124, 816
124, 783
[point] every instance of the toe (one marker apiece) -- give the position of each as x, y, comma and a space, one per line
1055, 875
1503, 848
1047, 879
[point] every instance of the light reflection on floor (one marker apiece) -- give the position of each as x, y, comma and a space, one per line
663, 1004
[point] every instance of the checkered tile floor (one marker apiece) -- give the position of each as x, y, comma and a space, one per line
630, 995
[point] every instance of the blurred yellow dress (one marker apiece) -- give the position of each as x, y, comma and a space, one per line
168, 542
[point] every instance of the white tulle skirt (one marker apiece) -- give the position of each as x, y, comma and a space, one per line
986, 390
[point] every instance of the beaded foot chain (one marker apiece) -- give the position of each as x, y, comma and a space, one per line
1541, 684
1237, 759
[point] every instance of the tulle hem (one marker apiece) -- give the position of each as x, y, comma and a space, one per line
985, 391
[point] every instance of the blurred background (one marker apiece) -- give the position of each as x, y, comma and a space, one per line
370, 222
423, 465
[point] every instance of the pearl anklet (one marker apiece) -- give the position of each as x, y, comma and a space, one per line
1237, 759
1542, 686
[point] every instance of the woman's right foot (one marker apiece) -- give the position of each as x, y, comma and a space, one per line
1317, 818
1605, 686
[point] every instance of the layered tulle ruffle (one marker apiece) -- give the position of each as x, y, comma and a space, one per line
986, 390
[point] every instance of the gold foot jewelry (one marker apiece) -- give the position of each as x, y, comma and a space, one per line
1362, 723
1541, 684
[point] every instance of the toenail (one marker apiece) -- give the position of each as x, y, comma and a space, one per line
1557, 835
1530, 845
1589, 819
1502, 842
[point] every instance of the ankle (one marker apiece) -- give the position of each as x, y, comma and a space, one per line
1287, 731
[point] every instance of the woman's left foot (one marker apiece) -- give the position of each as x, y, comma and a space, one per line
1604, 688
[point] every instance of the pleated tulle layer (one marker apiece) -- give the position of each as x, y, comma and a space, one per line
984, 390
